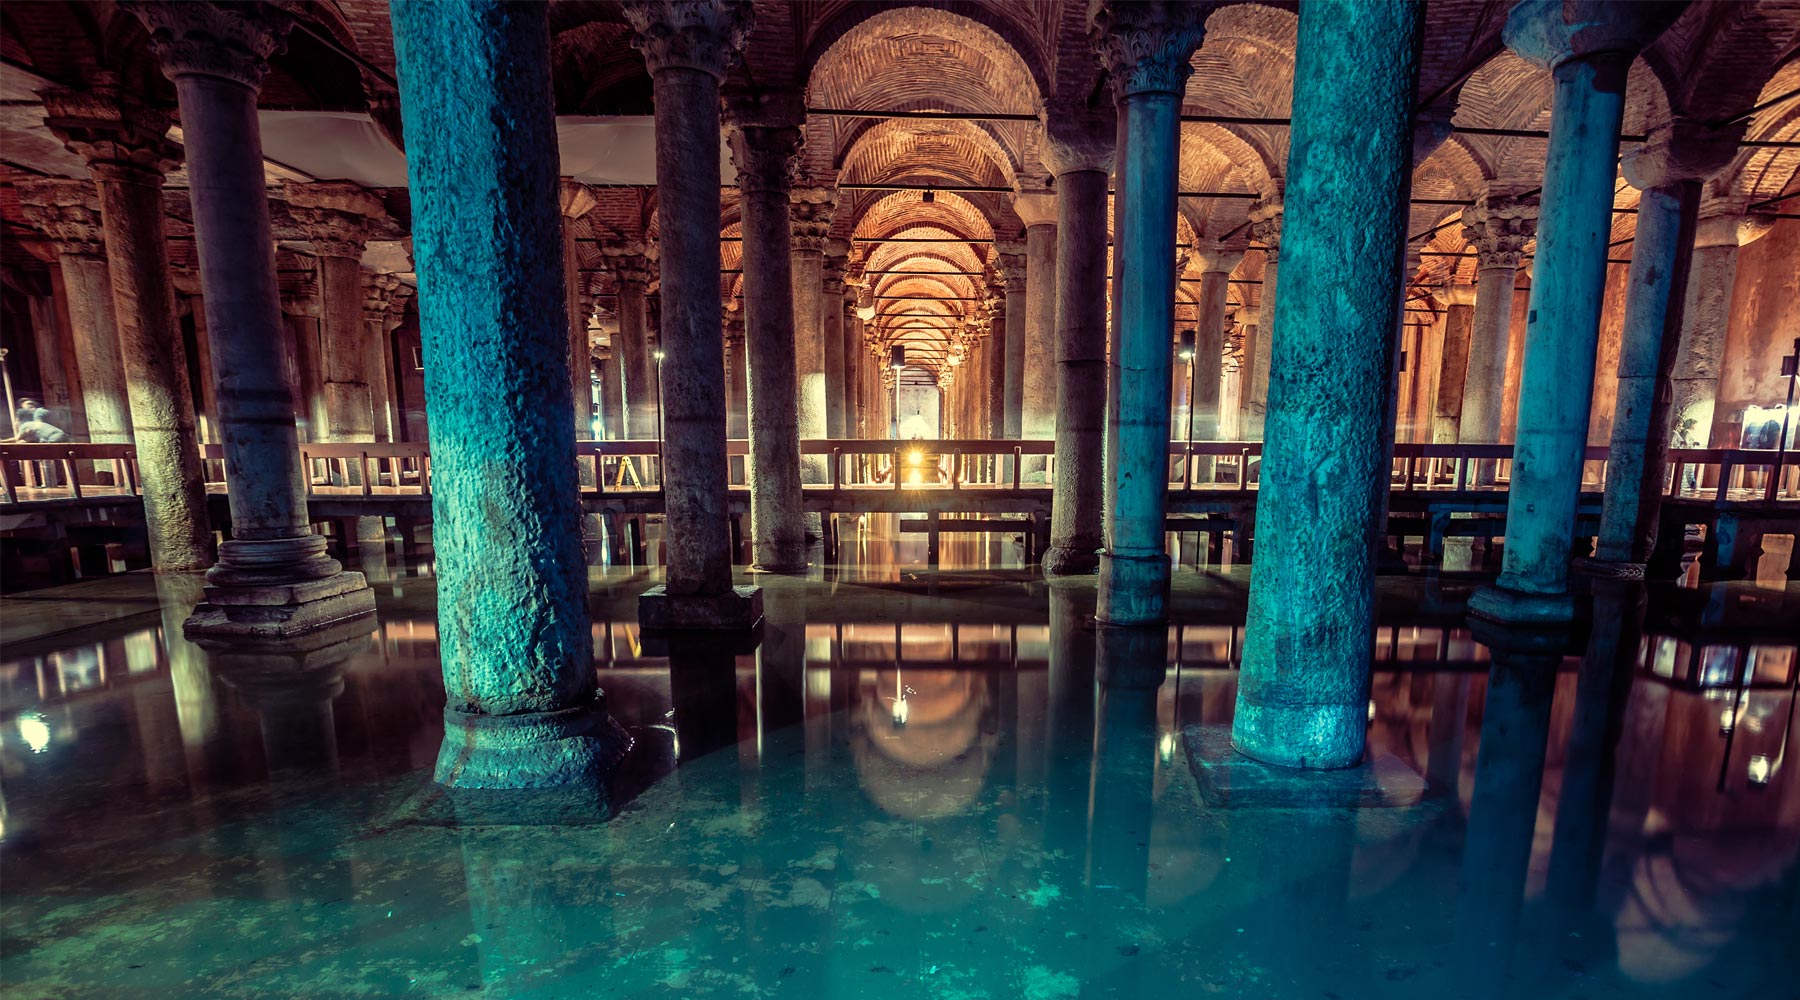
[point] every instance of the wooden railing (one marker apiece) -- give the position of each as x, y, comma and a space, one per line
41, 472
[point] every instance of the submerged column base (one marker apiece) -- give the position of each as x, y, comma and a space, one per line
1068, 561
572, 746
1500, 603
1318, 737
737, 608
276, 589
1134, 590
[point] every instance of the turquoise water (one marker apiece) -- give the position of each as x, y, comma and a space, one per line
913, 787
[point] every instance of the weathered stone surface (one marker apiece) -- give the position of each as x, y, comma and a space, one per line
1309, 632
1229, 780
1075, 538
514, 630
737, 608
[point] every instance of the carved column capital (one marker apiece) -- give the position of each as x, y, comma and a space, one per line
338, 217
1035, 208
1265, 226
574, 198
68, 212
119, 136
627, 260
1680, 150
764, 157
1145, 45
1220, 258
1010, 257
1500, 227
1548, 33
703, 35
810, 210
1078, 137
201, 38
384, 299
837, 258
299, 293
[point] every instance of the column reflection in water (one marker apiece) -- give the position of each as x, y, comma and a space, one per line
1069, 747
1509, 773
290, 686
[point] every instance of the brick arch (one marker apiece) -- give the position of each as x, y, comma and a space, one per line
899, 149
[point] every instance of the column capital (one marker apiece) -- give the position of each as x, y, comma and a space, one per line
1680, 150
837, 259
574, 199
201, 38
338, 217
764, 157
68, 212
1727, 222
1145, 46
810, 211
1499, 226
703, 35
1455, 293
1009, 264
119, 136
774, 107
1265, 225
1035, 208
1431, 128
1078, 137
1218, 258
1548, 33
627, 260
299, 293
384, 299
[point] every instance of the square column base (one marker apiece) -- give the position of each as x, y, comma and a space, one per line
1517, 607
1228, 779
280, 610
737, 608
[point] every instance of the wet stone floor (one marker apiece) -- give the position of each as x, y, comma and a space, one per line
915, 785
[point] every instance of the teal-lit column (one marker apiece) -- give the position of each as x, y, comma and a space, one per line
273, 577
764, 155
576, 200
1145, 47
1079, 152
523, 706
688, 47
1588, 60
1669, 170
1265, 229
1303, 690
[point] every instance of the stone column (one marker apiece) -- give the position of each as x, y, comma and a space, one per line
338, 217
831, 332
576, 200
1038, 379
1706, 318
688, 49
1588, 61
1010, 257
126, 150
1079, 152
809, 213
632, 355
384, 305
737, 382
763, 155
1499, 228
1453, 364
522, 706
1303, 690
1145, 47
68, 211
273, 577
1216, 264
850, 329
300, 320
1265, 228
1669, 170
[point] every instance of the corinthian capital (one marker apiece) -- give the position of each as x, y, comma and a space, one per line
704, 35
764, 157
1078, 137
1265, 226
384, 299
199, 37
1499, 228
114, 132
1009, 258
68, 211
1145, 45
339, 217
810, 210
837, 258
628, 260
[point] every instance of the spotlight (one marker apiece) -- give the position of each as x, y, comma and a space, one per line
1760, 769
1186, 350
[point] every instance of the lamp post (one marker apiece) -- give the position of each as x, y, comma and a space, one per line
657, 355
896, 361
1186, 353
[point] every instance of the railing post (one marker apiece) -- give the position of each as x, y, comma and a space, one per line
1017, 464
68, 465
1725, 469
837, 460
897, 473
6, 482
362, 468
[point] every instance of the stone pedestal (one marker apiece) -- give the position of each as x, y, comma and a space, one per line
522, 707
1303, 690
738, 608
1588, 48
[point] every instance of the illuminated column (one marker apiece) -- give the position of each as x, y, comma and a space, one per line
831, 332
1265, 228
1498, 228
1010, 258
1145, 47
1303, 689
68, 211
339, 218
688, 48
763, 154
809, 211
1453, 363
127, 152
1079, 152
1215, 264
273, 577
1588, 61
576, 200
632, 354
1038, 379
1698, 381
384, 308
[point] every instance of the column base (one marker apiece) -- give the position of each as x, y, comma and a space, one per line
1516, 607
280, 610
1608, 569
1063, 560
1302, 737
1133, 658
572, 746
737, 608
1227, 778
779, 558
1134, 590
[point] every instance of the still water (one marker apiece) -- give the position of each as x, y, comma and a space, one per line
912, 786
